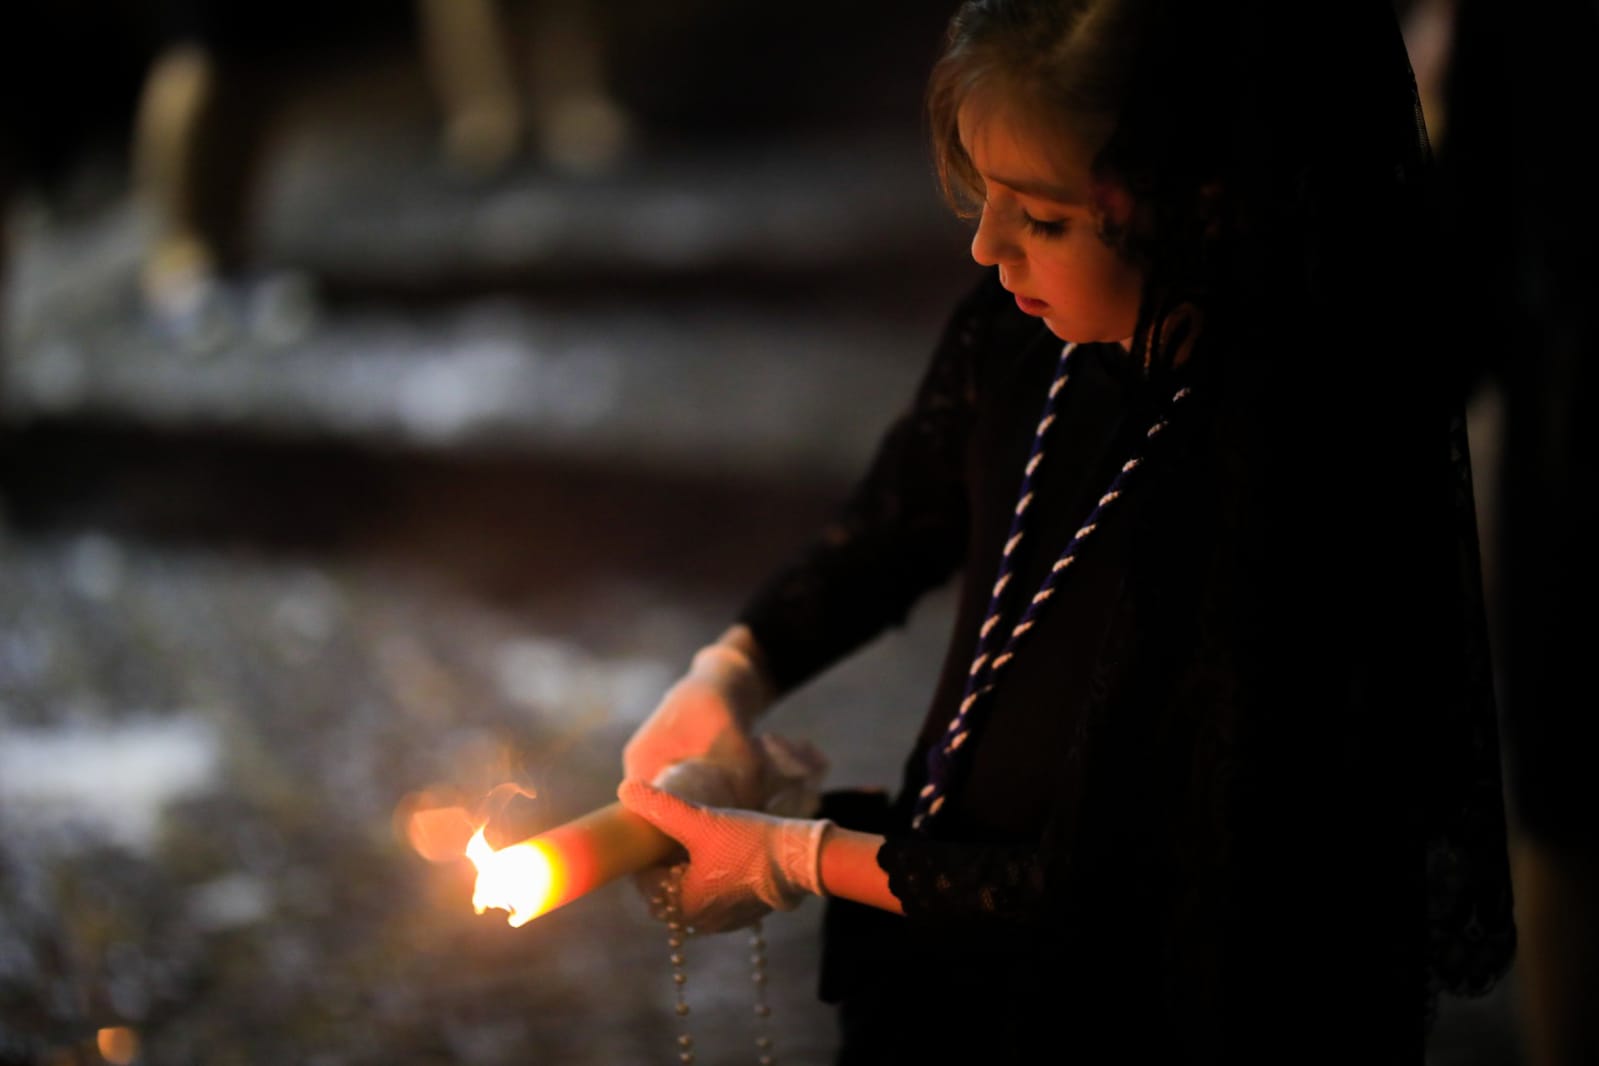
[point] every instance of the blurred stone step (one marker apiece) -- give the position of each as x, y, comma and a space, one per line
736, 306
706, 386
375, 206
371, 208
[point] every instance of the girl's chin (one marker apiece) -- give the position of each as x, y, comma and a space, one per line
1063, 330
1077, 335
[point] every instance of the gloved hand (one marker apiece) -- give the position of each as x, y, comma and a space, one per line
742, 865
706, 715
789, 777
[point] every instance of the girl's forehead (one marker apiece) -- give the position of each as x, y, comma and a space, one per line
1009, 147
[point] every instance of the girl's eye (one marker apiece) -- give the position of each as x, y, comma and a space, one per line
1040, 228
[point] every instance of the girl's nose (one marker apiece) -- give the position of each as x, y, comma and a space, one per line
990, 246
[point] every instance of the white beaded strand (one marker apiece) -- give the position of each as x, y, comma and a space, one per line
668, 906
763, 1009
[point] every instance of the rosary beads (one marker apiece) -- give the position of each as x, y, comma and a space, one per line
668, 905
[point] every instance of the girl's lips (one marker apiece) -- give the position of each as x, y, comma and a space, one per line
1030, 306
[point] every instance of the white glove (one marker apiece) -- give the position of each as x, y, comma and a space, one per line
790, 780
742, 865
706, 715
789, 777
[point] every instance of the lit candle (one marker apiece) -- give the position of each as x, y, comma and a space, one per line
554, 868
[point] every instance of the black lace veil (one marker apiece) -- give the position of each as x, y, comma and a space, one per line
1281, 164
1360, 585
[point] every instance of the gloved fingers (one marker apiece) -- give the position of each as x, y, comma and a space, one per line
695, 722
683, 725
672, 815
699, 780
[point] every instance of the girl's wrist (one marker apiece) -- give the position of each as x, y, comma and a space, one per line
800, 854
847, 868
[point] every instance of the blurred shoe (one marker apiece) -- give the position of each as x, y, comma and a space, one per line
191, 311
280, 309
202, 314
587, 133
480, 141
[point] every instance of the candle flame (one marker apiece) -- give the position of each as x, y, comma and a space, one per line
519, 879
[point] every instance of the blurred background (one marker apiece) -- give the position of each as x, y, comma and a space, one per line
392, 396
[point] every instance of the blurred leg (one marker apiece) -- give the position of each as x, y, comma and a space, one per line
464, 41
201, 130
581, 126
169, 173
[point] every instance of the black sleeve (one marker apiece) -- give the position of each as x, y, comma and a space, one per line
952, 882
901, 532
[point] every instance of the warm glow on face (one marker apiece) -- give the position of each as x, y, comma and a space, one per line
519, 879
1040, 228
118, 1044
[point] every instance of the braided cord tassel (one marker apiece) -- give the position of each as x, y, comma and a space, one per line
988, 660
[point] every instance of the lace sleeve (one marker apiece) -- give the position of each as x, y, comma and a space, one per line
901, 532
964, 882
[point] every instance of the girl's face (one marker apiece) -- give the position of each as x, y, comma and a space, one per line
1039, 226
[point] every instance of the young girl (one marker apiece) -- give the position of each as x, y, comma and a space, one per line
1210, 772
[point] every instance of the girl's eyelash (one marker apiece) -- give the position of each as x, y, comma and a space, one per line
1040, 228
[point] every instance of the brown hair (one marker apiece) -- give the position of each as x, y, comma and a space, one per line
1055, 63
1121, 79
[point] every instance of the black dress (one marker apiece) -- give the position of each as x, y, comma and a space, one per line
1197, 822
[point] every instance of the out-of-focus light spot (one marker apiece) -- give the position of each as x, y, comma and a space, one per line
118, 776
95, 568
437, 831
230, 902
118, 1044
567, 686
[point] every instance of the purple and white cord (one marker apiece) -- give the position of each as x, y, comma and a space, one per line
997, 646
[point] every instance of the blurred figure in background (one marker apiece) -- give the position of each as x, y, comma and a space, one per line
465, 47
579, 126
1521, 306
204, 114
